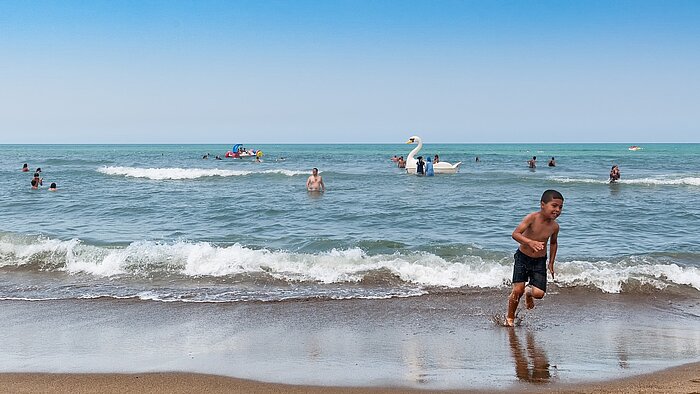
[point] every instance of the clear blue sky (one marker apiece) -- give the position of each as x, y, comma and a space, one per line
349, 71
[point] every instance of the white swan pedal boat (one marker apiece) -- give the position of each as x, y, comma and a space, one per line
442, 167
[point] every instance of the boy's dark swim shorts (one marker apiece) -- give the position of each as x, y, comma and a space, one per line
533, 268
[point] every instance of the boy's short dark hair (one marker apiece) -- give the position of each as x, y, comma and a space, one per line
550, 195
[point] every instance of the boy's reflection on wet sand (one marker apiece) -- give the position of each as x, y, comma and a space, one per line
531, 363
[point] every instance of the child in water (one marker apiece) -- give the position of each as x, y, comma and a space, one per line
39, 181
531, 257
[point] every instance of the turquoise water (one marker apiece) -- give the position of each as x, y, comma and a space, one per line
159, 222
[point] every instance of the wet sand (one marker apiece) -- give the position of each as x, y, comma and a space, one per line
443, 342
683, 379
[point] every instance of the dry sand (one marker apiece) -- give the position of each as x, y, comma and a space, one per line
683, 379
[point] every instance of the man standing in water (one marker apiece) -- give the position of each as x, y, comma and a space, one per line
315, 182
532, 163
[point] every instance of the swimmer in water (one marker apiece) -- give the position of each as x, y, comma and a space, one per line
532, 163
315, 182
614, 174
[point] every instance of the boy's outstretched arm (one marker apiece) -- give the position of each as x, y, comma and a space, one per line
523, 240
553, 250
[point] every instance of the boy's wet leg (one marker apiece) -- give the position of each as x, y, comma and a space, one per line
532, 293
513, 300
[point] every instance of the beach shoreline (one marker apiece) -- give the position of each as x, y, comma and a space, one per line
681, 379
435, 343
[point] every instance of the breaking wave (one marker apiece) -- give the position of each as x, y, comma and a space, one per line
189, 262
665, 181
187, 173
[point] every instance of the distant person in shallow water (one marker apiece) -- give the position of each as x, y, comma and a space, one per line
436, 159
531, 257
401, 163
52, 187
315, 182
551, 162
35, 184
394, 159
429, 168
420, 166
39, 181
614, 174
477, 159
25, 167
532, 163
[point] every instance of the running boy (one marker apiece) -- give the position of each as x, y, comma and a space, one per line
531, 257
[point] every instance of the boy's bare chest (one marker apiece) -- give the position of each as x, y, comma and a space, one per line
541, 230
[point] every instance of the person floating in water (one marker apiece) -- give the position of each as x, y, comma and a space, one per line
39, 181
531, 257
52, 187
614, 174
551, 162
35, 184
420, 166
395, 159
429, 168
315, 182
25, 167
532, 163
477, 159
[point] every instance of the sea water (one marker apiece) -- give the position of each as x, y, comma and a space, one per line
159, 222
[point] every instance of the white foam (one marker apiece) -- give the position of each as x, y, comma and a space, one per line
24, 250
686, 181
661, 181
147, 258
577, 180
611, 277
176, 173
